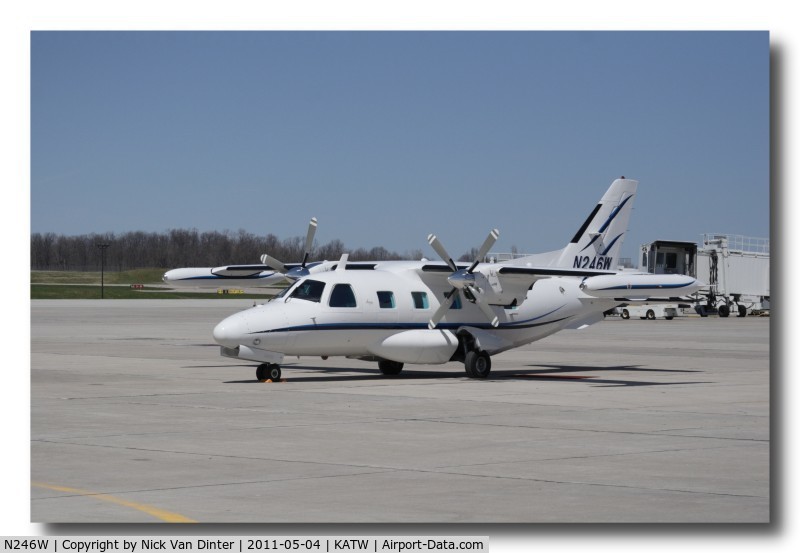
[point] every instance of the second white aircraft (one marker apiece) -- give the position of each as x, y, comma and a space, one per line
270, 272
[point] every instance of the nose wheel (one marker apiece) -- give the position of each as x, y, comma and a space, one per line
268, 371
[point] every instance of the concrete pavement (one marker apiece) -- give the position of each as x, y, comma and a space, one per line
136, 417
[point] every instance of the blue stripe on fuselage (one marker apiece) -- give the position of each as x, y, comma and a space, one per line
401, 326
410, 326
223, 277
646, 286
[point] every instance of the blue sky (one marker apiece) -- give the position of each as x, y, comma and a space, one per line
388, 136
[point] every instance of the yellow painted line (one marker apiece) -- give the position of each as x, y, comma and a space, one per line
161, 514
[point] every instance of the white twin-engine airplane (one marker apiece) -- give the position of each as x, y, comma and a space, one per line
418, 312
270, 273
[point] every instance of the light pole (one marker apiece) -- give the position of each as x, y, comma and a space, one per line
103, 248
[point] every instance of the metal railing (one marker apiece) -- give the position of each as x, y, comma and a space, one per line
737, 242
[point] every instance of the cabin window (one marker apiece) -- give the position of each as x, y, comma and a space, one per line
420, 300
386, 300
310, 290
342, 296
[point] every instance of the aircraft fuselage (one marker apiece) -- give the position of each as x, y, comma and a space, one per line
389, 318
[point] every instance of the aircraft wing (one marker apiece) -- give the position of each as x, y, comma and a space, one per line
356, 266
502, 284
441, 267
546, 272
509, 270
518, 280
527, 276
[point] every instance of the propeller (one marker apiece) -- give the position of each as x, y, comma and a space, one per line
463, 280
295, 273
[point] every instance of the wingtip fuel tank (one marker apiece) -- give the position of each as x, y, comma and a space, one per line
640, 285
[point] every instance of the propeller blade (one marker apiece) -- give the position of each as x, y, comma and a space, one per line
484, 249
493, 320
274, 263
312, 230
449, 298
437, 246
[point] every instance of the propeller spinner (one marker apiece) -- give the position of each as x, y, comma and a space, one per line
463, 280
294, 273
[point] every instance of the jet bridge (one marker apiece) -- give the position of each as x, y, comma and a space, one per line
735, 267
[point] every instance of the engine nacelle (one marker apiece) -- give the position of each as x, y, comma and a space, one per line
495, 292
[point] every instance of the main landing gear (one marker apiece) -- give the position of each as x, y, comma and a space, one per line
477, 364
269, 371
390, 368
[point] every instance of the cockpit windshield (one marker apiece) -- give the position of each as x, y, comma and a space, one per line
283, 292
310, 290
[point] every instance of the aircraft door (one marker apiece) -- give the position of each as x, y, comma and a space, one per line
343, 304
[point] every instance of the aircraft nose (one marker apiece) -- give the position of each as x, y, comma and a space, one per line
230, 332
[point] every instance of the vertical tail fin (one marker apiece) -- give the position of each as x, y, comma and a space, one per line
598, 242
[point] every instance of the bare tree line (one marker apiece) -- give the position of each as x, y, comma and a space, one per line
183, 248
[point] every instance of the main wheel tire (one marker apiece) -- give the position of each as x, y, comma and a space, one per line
670, 317
650, 315
723, 310
625, 314
742, 311
274, 372
478, 364
268, 371
390, 368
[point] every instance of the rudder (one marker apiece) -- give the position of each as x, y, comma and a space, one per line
598, 241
